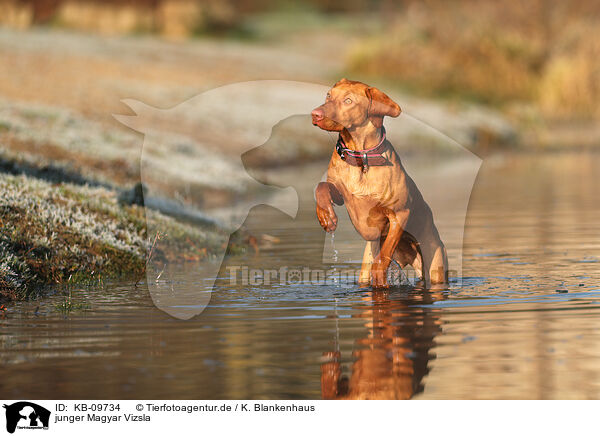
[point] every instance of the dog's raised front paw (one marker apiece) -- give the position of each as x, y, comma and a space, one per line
327, 218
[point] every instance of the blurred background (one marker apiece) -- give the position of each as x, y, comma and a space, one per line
525, 75
536, 59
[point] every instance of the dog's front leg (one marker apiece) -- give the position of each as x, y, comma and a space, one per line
326, 194
397, 222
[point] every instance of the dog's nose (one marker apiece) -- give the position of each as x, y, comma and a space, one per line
317, 115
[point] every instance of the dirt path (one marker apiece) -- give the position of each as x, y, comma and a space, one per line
91, 74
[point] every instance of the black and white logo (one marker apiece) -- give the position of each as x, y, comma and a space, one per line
26, 415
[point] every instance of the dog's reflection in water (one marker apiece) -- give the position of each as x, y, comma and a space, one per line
392, 359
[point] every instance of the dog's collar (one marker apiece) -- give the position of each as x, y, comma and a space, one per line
363, 158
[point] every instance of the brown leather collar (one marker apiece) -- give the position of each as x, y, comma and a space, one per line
364, 158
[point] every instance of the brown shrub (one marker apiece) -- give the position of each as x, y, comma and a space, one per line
543, 52
570, 84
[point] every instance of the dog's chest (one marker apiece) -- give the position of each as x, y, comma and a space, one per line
377, 185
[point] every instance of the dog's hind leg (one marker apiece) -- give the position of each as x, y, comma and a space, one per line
438, 269
408, 252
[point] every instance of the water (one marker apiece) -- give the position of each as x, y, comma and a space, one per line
524, 323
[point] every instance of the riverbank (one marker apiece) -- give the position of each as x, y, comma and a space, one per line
63, 233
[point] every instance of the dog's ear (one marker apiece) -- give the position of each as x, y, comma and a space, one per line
341, 81
381, 104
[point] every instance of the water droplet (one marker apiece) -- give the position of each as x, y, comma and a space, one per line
335, 252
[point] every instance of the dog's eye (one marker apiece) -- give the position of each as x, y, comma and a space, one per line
348, 101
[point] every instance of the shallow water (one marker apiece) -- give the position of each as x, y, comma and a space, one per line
524, 321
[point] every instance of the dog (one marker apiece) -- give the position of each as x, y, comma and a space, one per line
365, 173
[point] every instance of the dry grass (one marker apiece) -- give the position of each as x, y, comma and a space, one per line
57, 233
540, 52
571, 80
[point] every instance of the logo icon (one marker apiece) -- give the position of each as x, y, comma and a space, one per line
26, 415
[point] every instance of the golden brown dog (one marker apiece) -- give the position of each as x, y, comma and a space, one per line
382, 201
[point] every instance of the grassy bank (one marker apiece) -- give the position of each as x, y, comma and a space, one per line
58, 233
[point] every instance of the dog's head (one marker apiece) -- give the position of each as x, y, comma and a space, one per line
350, 104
